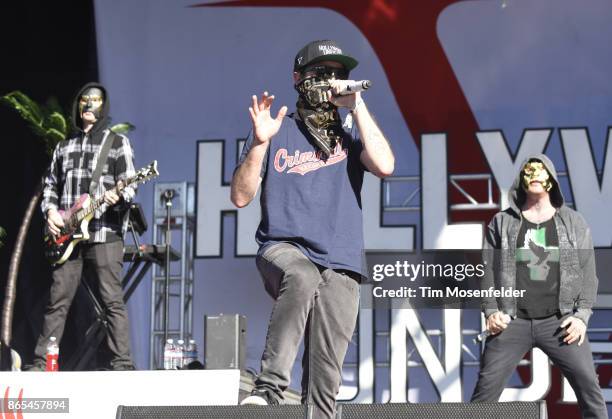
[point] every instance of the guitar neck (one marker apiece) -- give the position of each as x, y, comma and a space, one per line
100, 201
141, 176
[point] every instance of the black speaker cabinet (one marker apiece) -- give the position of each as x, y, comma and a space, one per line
509, 410
290, 411
225, 341
506, 410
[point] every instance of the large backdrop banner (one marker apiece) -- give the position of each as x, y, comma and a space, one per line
464, 90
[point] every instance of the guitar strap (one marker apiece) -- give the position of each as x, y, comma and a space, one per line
106, 145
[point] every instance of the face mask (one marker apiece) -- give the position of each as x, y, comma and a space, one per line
534, 171
314, 84
92, 101
319, 115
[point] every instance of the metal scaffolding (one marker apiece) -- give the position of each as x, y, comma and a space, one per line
182, 224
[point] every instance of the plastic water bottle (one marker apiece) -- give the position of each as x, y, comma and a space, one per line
191, 353
179, 352
52, 355
169, 354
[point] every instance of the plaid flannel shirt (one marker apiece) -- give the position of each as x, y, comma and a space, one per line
70, 173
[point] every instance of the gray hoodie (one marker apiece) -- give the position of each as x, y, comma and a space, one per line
578, 279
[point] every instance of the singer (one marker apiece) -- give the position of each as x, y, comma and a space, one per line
542, 246
311, 234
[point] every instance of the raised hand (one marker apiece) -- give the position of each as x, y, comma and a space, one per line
264, 126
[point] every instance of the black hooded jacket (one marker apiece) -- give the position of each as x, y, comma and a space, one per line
73, 164
578, 280
101, 124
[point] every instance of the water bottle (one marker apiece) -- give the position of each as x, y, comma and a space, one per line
169, 354
179, 353
52, 355
191, 353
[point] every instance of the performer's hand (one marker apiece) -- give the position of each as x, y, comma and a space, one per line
342, 101
54, 222
497, 322
111, 197
575, 330
264, 126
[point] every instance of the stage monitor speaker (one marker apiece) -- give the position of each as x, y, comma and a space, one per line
289, 411
225, 341
507, 410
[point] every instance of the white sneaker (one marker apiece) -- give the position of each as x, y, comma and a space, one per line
256, 400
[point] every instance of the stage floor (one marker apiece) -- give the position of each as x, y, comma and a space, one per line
96, 394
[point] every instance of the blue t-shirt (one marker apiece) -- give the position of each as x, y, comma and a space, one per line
310, 202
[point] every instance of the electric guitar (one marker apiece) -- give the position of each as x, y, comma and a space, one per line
76, 219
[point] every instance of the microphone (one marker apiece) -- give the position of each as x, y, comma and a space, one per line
168, 195
482, 336
485, 333
352, 86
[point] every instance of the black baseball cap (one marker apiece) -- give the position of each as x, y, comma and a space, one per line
324, 50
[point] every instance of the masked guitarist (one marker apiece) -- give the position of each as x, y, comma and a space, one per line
70, 176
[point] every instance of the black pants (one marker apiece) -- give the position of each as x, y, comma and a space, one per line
106, 261
319, 305
504, 351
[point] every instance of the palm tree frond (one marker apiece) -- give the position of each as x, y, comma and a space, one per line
54, 136
27, 109
57, 122
47, 122
122, 128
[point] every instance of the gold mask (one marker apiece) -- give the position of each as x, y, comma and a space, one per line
91, 101
535, 171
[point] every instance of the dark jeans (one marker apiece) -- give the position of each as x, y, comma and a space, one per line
106, 261
504, 351
318, 304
